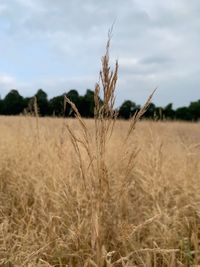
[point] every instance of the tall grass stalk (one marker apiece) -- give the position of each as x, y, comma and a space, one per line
98, 185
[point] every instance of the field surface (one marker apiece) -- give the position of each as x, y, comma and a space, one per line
65, 201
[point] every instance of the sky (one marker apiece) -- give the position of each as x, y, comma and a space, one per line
58, 45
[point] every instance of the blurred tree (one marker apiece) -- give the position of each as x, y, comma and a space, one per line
150, 113
56, 105
159, 113
42, 102
194, 109
183, 113
168, 111
1, 105
73, 95
86, 107
127, 109
13, 103
28, 104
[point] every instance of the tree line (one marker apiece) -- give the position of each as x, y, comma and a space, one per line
15, 104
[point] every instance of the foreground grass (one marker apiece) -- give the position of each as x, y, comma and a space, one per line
148, 213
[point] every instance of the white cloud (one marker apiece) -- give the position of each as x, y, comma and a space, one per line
6, 83
6, 79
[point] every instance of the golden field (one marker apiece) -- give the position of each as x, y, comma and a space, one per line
65, 201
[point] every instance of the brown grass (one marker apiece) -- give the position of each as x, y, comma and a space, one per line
99, 192
52, 212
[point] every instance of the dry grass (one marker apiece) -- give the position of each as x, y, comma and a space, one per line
50, 215
99, 192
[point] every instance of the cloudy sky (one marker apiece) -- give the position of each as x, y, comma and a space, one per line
57, 45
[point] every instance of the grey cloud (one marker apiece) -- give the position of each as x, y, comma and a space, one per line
155, 41
158, 60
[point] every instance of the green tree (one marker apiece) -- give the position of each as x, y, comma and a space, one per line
150, 113
56, 105
168, 111
1, 106
75, 98
42, 102
159, 112
183, 113
194, 109
13, 103
86, 107
127, 109
27, 102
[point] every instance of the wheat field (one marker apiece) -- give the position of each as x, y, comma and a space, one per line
54, 212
